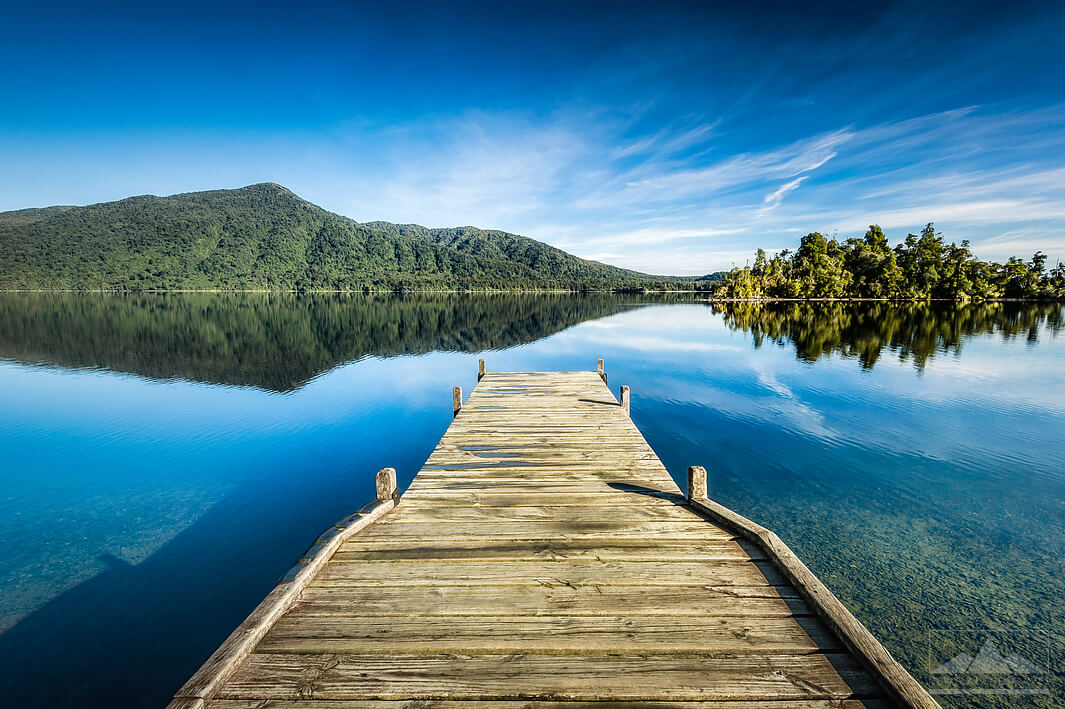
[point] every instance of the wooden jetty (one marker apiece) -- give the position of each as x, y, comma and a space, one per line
543, 557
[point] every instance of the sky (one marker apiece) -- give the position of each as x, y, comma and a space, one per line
667, 137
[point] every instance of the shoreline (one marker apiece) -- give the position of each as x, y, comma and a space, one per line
191, 291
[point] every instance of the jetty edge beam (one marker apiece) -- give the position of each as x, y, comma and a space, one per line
543, 556
878, 661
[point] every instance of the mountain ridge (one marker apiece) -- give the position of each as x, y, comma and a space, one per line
265, 237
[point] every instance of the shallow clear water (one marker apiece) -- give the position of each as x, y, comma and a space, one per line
164, 459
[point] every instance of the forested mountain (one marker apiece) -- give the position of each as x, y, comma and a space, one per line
501, 246
923, 266
265, 237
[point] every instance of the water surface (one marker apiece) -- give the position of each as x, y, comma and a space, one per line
166, 458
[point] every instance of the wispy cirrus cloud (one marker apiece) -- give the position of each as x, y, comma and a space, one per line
773, 199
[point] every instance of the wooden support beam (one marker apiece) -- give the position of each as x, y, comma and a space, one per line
456, 400
480, 369
625, 398
696, 483
387, 488
601, 370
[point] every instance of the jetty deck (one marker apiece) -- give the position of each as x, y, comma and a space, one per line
543, 556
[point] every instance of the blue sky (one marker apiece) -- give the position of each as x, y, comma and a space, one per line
672, 138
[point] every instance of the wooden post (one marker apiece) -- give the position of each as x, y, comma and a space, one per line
386, 485
600, 370
480, 369
696, 483
625, 398
456, 400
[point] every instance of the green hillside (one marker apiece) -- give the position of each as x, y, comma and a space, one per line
502, 246
265, 237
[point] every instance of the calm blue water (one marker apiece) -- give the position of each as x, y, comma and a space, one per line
164, 459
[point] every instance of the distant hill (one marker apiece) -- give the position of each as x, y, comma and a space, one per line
265, 237
501, 246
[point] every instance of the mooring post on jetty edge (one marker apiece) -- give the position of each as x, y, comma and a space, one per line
625, 399
696, 483
480, 369
601, 370
456, 400
387, 489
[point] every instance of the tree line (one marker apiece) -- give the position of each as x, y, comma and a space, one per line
922, 267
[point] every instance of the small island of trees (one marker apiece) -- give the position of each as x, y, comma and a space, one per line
923, 267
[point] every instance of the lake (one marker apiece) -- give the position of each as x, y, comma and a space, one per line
165, 458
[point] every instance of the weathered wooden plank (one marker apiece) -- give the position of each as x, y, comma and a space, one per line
547, 529
552, 599
544, 469
427, 497
186, 703
484, 453
600, 471
523, 486
523, 549
566, 431
630, 513
559, 458
525, 704
523, 676
483, 460
591, 482
574, 443
563, 456
499, 474
487, 420
575, 572
561, 450
557, 635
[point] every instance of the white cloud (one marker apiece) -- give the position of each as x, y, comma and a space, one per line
773, 200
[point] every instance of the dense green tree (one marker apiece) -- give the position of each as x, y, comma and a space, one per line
817, 268
873, 266
922, 267
921, 261
1056, 282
